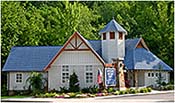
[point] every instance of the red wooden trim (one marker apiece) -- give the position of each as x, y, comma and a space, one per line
109, 65
79, 44
59, 52
76, 49
63, 48
90, 49
72, 45
76, 41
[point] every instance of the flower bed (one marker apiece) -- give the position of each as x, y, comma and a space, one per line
85, 95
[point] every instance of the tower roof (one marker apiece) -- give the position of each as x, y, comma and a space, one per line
113, 26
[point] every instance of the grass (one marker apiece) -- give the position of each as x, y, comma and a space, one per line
16, 96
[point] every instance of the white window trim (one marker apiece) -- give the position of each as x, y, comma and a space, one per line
64, 72
18, 79
89, 72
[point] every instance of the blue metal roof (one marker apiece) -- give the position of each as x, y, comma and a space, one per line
96, 45
113, 26
36, 58
33, 58
141, 58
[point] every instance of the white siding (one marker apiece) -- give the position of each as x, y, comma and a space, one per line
77, 61
19, 86
121, 47
113, 48
141, 78
77, 58
152, 80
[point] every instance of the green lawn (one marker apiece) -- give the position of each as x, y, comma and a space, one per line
16, 96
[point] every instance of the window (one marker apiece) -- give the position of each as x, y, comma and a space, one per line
19, 78
89, 74
104, 36
152, 74
65, 73
156, 74
120, 35
112, 35
148, 74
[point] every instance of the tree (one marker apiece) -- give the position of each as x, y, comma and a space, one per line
74, 83
36, 82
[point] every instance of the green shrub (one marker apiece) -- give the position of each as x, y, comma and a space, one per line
93, 89
74, 83
132, 91
4, 91
170, 87
50, 94
110, 90
85, 90
121, 92
149, 89
63, 90
143, 90
127, 91
116, 93
104, 91
72, 95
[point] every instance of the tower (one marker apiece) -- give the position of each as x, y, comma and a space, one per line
113, 41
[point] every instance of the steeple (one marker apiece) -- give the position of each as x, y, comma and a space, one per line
113, 39
113, 26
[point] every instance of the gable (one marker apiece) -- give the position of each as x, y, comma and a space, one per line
138, 56
141, 44
76, 43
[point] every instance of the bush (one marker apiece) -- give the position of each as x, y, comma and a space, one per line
121, 92
63, 90
93, 89
116, 93
85, 90
50, 94
4, 91
127, 91
170, 87
110, 90
143, 90
132, 91
104, 91
74, 83
72, 95
149, 89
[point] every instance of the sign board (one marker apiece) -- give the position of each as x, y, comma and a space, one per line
110, 76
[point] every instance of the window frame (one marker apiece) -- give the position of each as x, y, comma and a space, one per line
65, 70
18, 78
104, 36
89, 70
111, 35
120, 36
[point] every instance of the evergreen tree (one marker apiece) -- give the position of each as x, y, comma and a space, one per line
74, 83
